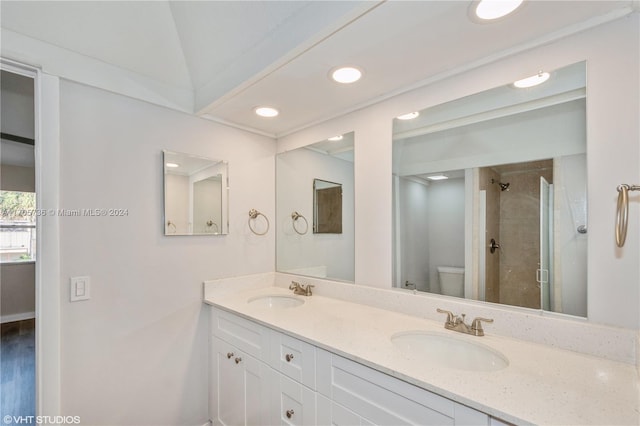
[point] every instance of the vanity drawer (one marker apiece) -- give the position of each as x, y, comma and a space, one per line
379, 398
245, 335
294, 358
330, 413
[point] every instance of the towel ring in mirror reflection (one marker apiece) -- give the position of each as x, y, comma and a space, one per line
253, 215
210, 224
622, 212
295, 216
171, 227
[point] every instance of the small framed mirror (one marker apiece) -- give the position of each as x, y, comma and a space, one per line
327, 207
195, 195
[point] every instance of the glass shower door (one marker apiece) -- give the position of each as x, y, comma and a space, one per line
542, 274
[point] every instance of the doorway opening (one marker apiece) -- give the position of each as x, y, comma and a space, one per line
18, 246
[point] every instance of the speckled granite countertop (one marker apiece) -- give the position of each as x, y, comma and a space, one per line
541, 385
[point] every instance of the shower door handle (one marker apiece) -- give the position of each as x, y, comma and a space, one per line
542, 276
493, 246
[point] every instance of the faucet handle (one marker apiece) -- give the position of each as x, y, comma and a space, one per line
450, 316
294, 285
307, 291
476, 325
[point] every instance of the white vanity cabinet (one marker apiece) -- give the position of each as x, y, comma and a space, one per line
260, 376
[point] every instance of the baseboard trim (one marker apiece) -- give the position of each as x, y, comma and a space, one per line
17, 317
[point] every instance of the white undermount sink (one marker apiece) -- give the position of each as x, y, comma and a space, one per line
276, 301
450, 351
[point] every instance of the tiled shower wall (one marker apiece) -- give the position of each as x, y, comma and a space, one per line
520, 237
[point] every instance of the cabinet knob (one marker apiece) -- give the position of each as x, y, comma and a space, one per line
289, 357
289, 413
238, 360
229, 355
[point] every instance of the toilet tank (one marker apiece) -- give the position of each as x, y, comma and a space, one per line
450, 270
451, 280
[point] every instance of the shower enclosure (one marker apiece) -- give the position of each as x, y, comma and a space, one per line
518, 214
528, 229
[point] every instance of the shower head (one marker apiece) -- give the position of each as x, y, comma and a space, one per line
503, 186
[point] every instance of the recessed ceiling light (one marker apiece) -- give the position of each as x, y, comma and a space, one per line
172, 165
488, 10
266, 112
409, 116
534, 80
346, 75
335, 138
437, 177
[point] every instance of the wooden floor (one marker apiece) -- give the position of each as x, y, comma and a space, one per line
18, 366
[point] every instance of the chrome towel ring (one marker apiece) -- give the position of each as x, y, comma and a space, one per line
295, 216
210, 224
622, 212
171, 227
253, 214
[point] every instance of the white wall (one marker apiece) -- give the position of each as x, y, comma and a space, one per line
207, 205
432, 225
296, 171
413, 227
539, 134
17, 113
445, 216
17, 291
570, 246
613, 130
176, 204
136, 353
17, 178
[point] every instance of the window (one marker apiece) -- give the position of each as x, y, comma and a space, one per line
17, 226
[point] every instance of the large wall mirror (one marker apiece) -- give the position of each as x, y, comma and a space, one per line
195, 195
490, 198
315, 209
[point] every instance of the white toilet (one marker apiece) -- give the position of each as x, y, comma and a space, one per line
451, 281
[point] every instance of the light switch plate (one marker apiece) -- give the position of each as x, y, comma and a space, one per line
80, 288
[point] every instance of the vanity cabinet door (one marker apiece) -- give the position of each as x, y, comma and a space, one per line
291, 402
237, 387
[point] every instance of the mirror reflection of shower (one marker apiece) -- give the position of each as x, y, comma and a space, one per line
520, 221
503, 186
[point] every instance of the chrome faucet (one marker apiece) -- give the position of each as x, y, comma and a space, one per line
301, 290
456, 323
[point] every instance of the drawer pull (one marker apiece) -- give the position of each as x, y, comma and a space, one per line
229, 355
289, 357
238, 360
289, 413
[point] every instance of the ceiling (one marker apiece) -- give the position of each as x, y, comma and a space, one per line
232, 56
